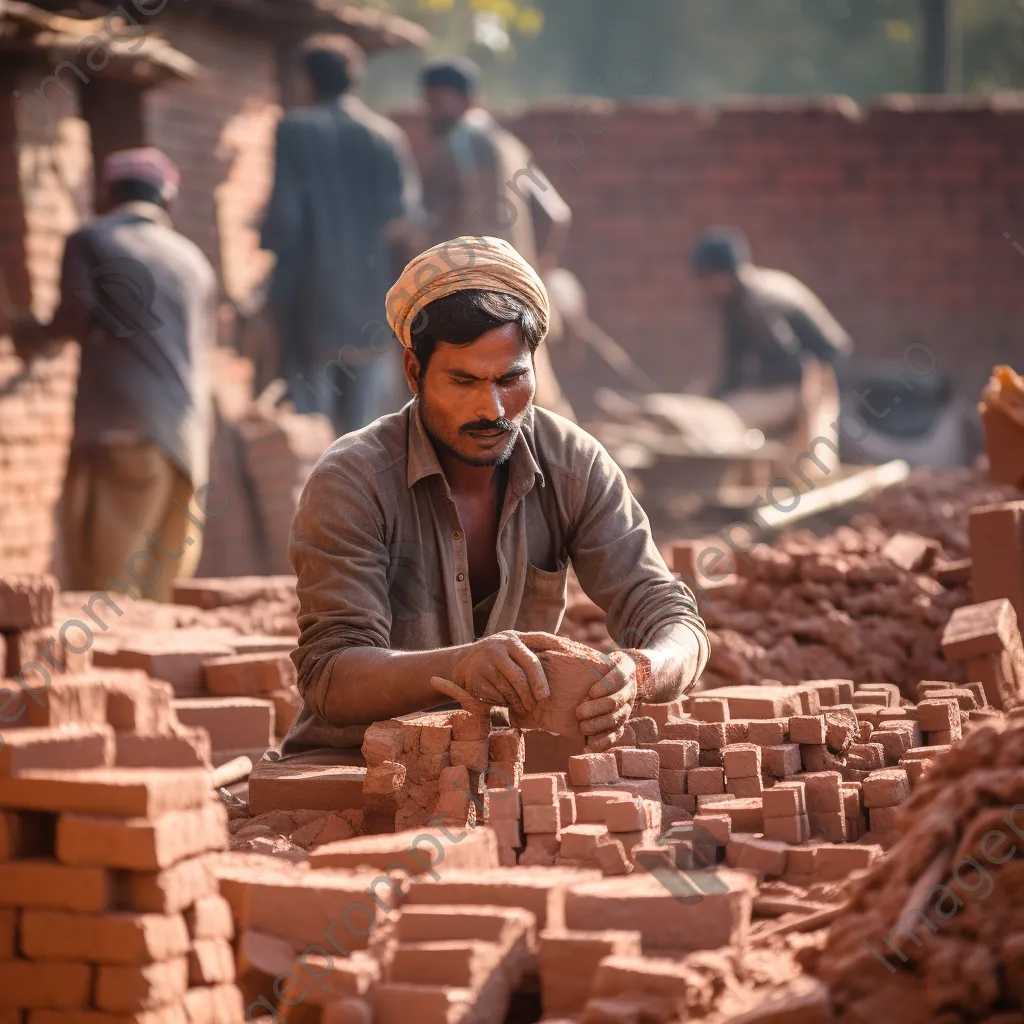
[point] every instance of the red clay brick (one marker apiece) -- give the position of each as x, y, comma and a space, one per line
120, 938
135, 989
286, 786
55, 986
26, 602
569, 962
249, 675
170, 891
72, 746
233, 723
49, 885
593, 769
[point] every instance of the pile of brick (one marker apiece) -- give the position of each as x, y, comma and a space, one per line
109, 909
933, 933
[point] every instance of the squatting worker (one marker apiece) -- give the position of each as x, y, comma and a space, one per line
141, 301
429, 542
772, 323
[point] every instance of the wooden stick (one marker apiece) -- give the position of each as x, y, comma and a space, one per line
809, 924
776, 906
230, 772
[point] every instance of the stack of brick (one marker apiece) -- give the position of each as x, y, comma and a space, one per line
108, 906
264, 675
985, 638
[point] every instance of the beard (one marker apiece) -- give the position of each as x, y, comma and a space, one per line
463, 446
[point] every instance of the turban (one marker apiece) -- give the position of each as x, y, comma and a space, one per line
146, 164
460, 74
463, 264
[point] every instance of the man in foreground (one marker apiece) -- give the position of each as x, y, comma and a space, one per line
434, 544
141, 301
773, 322
346, 190
482, 180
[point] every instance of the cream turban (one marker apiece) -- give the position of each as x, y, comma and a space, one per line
469, 262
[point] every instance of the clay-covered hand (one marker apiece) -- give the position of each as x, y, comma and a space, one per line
603, 717
498, 670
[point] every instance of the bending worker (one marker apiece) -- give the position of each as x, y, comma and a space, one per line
434, 541
773, 322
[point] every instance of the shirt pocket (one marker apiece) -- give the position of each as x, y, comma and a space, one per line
543, 603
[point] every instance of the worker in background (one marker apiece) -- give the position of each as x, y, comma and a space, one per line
481, 180
141, 301
346, 190
773, 322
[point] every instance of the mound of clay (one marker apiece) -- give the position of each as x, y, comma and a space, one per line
935, 930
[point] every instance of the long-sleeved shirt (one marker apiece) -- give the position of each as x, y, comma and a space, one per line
382, 560
342, 174
771, 320
141, 300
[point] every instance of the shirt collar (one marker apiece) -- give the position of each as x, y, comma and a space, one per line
147, 211
524, 470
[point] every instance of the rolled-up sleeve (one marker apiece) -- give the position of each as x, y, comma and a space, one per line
619, 566
338, 552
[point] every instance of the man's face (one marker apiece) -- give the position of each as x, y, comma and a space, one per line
473, 398
444, 107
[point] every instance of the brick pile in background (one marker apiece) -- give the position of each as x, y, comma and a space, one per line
107, 901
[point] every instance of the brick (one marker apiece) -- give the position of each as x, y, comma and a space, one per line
883, 819
508, 832
170, 891
502, 804
138, 988
612, 859
997, 553
232, 722
803, 1001
768, 733
275, 786
764, 856
507, 745
541, 891
830, 825
709, 709
214, 1003
592, 769
210, 918
26, 602
538, 818
747, 786
72, 746
793, 830
415, 851
580, 842
115, 792
467, 726
784, 800
458, 963
541, 849
505, 774
569, 962
182, 748
705, 781
718, 826
746, 814
838, 861
760, 701
975, 630
677, 755
471, 753
47, 885
938, 715
910, 552
807, 729
249, 675
211, 962
823, 791
121, 938
538, 790
8, 933
736, 732
742, 760
396, 1003
382, 742
138, 844
680, 729
782, 760
633, 763
886, 788
645, 729
711, 735
52, 986
567, 808
632, 815
672, 781
176, 656
641, 903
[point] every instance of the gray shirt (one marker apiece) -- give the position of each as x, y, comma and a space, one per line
141, 300
382, 562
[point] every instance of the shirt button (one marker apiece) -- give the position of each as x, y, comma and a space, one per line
460, 576
456, 535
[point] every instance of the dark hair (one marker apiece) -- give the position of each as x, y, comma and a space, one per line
334, 64
132, 190
460, 318
720, 251
460, 74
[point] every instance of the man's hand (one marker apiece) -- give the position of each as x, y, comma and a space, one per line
603, 717
498, 670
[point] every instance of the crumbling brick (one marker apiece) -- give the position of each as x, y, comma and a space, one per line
886, 788
26, 602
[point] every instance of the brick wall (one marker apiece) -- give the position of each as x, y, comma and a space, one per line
894, 214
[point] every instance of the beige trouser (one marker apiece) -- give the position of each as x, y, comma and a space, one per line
767, 409
123, 516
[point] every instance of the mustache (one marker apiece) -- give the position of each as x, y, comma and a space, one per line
507, 426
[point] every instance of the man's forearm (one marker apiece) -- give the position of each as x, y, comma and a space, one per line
676, 657
370, 684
